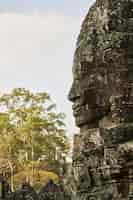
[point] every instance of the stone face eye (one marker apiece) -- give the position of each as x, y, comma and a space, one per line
86, 67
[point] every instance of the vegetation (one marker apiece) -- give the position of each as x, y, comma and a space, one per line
32, 134
40, 177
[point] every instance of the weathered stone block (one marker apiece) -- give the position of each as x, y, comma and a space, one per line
102, 96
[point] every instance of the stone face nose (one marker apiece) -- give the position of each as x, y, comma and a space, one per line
73, 93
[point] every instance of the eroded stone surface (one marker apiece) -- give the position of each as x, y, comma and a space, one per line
102, 96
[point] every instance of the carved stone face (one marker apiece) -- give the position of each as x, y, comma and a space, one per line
103, 65
88, 94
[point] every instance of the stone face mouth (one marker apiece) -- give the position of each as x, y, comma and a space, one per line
76, 113
77, 110
77, 107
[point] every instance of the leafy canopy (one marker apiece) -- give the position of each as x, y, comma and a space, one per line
32, 133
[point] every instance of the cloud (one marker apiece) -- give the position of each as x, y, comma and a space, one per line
36, 52
22, 37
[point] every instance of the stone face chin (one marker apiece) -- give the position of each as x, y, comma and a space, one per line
85, 117
102, 96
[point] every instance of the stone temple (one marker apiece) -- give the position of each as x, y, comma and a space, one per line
102, 96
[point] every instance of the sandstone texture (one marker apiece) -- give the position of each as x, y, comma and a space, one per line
102, 96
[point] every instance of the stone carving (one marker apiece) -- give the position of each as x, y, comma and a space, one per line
102, 96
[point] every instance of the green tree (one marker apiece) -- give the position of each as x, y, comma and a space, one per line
32, 132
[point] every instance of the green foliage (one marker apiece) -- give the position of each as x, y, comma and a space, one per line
39, 178
31, 131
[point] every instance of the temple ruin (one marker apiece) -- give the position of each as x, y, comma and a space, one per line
102, 96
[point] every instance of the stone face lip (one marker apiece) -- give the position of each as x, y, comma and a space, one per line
102, 96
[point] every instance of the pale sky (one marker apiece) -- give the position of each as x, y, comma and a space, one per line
37, 41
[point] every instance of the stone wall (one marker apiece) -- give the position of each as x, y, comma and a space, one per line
102, 96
